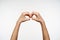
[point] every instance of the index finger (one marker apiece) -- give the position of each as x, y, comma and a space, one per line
35, 13
26, 14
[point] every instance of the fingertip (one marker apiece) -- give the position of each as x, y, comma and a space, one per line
27, 19
31, 15
33, 18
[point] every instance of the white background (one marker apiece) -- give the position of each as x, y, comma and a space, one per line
10, 10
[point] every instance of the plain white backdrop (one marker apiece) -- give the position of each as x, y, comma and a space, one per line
10, 10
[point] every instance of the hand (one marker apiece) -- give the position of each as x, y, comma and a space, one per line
38, 17
22, 18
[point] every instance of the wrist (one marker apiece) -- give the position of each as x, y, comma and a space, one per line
42, 22
18, 22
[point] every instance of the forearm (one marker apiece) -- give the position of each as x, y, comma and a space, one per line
15, 32
44, 31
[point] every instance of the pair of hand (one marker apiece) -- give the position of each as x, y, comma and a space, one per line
38, 18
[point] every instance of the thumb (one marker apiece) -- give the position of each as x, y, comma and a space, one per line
33, 18
27, 19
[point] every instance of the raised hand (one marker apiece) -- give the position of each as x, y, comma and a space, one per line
43, 26
38, 17
22, 18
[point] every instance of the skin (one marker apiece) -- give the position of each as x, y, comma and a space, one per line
38, 18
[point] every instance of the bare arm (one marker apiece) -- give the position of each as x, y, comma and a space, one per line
43, 26
44, 31
16, 29
15, 32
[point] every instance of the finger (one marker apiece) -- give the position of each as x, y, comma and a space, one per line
27, 19
35, 13
34, 19
26, 14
